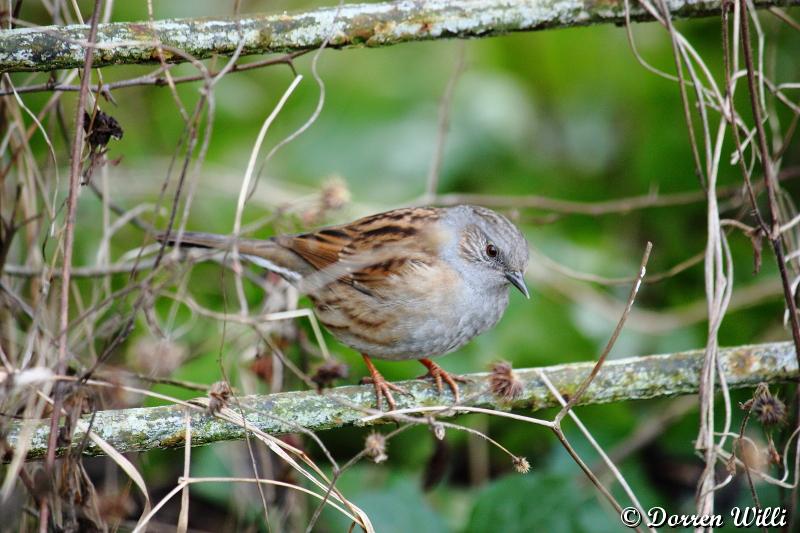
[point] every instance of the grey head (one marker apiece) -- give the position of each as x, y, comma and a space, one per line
493, 249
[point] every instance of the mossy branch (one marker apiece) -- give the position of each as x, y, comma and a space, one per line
380, 24
634, 378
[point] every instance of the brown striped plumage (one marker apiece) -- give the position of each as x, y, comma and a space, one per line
406, 284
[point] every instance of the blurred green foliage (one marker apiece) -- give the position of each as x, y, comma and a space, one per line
567, 114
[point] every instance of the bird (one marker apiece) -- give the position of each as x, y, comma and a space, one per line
410, 283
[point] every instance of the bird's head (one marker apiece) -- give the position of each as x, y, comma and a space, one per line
493, 245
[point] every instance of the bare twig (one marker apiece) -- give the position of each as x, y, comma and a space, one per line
615, 206
156, 78
69, 235
770, 181
575, 398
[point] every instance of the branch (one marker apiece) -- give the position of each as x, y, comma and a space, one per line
371, 25
635, 378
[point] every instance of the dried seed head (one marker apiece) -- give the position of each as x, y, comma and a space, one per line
328, 372
375, 447
504, 383
218, 396
104, 127
335, 193
438, 430
768, 409
521, 465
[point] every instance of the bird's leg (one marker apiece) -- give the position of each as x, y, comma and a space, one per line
382, 387
439, 374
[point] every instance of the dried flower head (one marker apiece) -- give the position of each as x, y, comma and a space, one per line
104, 127
504, 383
218, 396
375, 447
521, 465
335, 193
328, 372
768, 409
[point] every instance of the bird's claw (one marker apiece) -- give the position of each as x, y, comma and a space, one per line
440, 376
384, 388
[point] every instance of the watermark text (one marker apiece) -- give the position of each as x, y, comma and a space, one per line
740, 517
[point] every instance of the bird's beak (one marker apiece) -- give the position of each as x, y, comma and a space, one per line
518, 280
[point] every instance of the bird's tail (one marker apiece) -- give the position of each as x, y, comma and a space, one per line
266, 253
214, 241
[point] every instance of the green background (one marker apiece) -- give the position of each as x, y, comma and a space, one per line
567, 114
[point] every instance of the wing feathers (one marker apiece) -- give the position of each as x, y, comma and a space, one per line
364, 254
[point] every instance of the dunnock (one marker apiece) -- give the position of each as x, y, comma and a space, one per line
405, 284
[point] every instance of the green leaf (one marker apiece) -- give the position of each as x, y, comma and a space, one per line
397, 507
538, 502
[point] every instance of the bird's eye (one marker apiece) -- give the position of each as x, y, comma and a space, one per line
491, 250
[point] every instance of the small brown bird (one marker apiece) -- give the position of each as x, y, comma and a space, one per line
410, 283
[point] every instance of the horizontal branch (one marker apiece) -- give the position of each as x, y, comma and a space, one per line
635, 378
379, 24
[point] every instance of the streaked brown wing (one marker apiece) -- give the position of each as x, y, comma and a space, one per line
321, 248
370, 249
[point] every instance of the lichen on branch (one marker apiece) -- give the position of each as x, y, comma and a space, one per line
634, 378
379, 24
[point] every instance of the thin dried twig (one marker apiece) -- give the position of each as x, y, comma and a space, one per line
69, 236
156, 78
575, 398
770, 181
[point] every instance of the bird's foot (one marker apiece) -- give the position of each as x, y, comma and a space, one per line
383, 388
441, 376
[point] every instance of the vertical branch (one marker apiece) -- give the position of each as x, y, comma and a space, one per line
69, 237
774, 233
